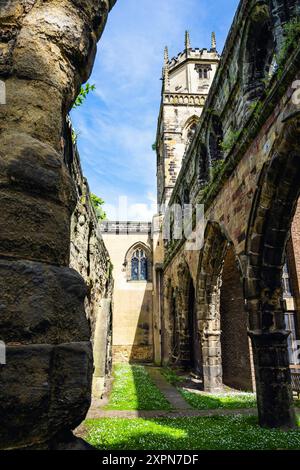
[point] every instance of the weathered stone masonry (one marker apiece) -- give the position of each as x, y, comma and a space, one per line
90, 258
250, 194
47, 50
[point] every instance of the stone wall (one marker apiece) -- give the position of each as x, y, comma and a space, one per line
90, 258
132, 299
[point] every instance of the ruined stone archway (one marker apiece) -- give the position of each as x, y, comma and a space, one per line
235, 344
166, 330
270, 221
222, 328
189, 340
258, 52
208, 286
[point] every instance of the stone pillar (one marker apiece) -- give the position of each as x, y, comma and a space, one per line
47, 51
212, 361
100, 345
183, 333
273, 380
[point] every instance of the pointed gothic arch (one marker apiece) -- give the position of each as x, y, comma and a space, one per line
270, 220
217, 245
167, 326
208, 286
189, 129
258, 51
138, 263
202, 164
215, 138
190, 347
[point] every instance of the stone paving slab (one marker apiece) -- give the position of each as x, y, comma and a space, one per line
98, 413
168, 390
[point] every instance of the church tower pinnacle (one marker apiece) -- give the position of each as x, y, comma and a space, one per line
213, 42
166, 69
187, 41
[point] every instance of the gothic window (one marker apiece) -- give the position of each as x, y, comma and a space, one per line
203, 164
215, 140
259, 54
191, 132
186, 196
138, 264
203, 71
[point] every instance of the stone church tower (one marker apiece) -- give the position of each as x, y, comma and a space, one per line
186, 82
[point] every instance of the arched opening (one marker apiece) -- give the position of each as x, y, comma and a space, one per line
168, 323
195, 354
175, 348
259, 52
236, 361
209, 280
190, 129
138, 263
271, 217
291, 294
215, 139
203, 165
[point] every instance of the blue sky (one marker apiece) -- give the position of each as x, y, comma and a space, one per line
117, 123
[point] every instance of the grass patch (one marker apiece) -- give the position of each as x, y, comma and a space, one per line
202, 401
208, 401
208, 433
225, 401
133, 389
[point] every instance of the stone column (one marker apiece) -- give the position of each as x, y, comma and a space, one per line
212, 361
273, 389
100, 345
46, 51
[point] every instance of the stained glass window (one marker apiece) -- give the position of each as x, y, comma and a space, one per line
139, 266
144, 269
135, 269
